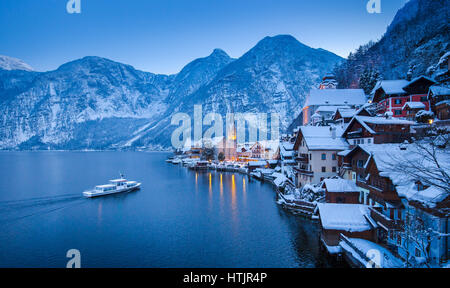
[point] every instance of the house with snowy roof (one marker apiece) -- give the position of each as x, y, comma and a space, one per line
341, 191
439, 98
377, 130
345, 115
317, 148
333, 99
411, 200
412, 108
392, 95
350, 220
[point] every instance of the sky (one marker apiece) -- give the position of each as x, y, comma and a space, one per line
162, 36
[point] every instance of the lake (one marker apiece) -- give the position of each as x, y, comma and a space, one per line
179, 218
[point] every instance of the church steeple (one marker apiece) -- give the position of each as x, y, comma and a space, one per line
328, 82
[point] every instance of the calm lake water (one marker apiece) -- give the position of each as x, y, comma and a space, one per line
179, 218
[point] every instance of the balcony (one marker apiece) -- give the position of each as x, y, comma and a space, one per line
304, 171
303, 158
384, 220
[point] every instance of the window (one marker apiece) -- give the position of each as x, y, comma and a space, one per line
398, 101
360, 163
334, 169
417, 252
334, 156
324, 169
423, 99
358, 141
369, 141
324, 156
397, 112
310, 156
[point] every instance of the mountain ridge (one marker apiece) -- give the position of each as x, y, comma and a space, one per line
97, 103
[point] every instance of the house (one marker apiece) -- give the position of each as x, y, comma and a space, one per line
352, 98
344, 115
421, 231
244, 154
392, 95
258, 151
352, 165
377, 130
350, 220
443, 110
341, 191
411, 109
439, 98
317, 149
326, 112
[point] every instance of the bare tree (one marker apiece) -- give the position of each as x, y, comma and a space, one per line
424, 163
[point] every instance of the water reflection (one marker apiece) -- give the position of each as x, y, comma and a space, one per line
244, 191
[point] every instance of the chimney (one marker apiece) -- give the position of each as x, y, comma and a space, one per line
409, 75
333, 132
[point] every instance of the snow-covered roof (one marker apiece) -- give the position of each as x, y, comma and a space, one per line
320, 138
344, 153
257, 163
391, 86
335, 97
418, 78
346, 217
414, 105
280, 179
397, 86
347, 112
389, 163
364, 120
384, 120
439, 90
288, 146
386, 259
340, 186
443, 102
331, 109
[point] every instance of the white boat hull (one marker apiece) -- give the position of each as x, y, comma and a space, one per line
92, 194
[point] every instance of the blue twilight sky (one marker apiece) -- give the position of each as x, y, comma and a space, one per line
162, 36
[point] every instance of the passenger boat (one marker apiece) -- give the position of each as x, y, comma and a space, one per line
116, 186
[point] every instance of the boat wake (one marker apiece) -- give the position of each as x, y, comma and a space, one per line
11, 211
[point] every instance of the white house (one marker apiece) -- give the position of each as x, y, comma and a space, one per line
317, 149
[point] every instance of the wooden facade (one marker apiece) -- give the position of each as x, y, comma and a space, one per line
415, 91
356, 133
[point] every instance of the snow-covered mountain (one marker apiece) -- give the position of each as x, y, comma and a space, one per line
9, 63
96, 103
416, 39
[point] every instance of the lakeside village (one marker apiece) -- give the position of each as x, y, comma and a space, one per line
372, 170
